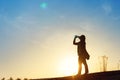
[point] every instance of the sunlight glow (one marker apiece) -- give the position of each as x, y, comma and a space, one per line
68, 66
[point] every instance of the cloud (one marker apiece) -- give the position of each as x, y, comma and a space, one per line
116, 17
107, 8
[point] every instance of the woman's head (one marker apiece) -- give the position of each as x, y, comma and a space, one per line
82, 37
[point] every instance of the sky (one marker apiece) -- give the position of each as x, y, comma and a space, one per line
36, 36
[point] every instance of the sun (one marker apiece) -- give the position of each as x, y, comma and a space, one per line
68, 66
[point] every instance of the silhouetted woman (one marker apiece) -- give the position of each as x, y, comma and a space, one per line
82, 53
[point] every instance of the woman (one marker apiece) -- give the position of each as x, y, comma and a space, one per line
82, 53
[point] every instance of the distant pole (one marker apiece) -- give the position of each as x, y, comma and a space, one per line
100, 62
104, 63
119, 65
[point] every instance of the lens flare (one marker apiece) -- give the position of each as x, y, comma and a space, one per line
43, 5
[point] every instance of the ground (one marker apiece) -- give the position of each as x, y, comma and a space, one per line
109, 75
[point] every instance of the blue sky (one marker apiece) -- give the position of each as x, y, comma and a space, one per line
32, 35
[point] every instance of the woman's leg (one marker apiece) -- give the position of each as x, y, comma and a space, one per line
79, 66
86, 66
